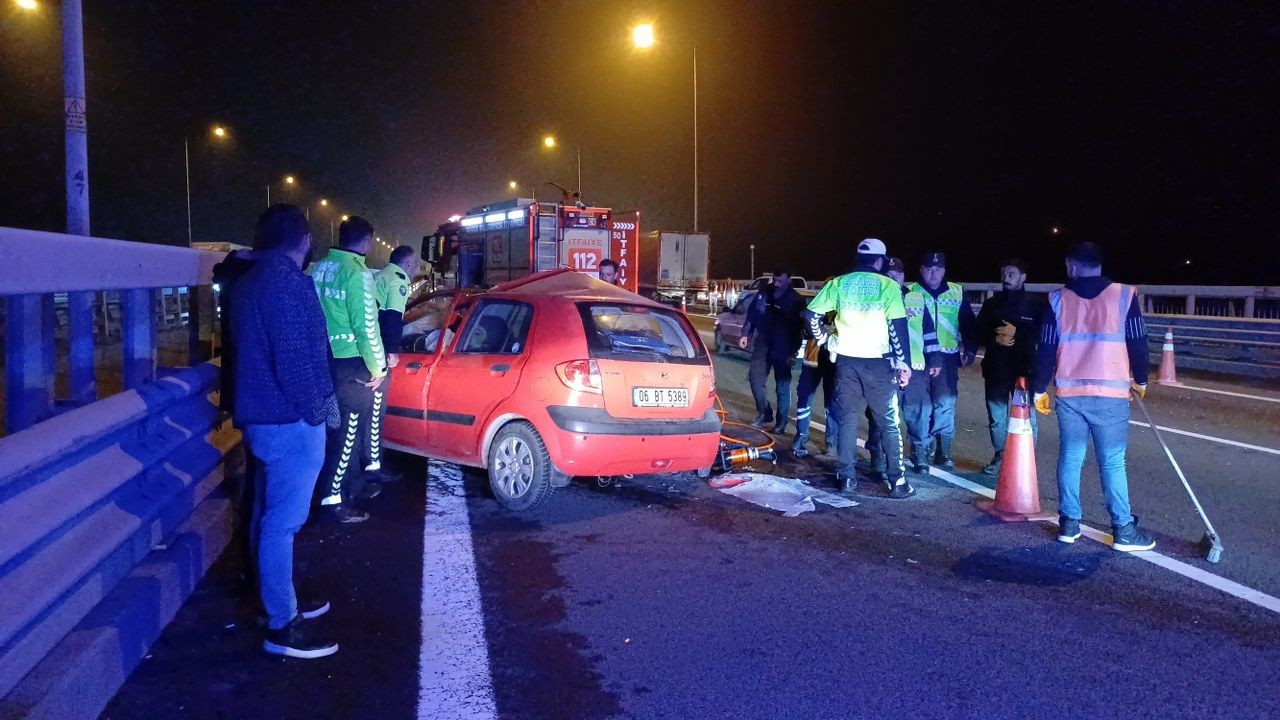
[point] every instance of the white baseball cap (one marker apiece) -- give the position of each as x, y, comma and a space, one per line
872, 246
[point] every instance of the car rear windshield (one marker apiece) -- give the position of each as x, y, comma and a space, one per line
640, 333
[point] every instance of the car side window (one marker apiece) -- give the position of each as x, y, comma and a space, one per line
497, 327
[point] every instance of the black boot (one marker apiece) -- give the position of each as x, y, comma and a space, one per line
763, 418
994, 467
920, 457
944, 453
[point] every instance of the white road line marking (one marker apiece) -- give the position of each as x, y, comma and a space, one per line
1191, 572
1210, 438
454, 681
1247, 396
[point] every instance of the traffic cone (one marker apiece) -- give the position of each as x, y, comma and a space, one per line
1168, 366
1018, 489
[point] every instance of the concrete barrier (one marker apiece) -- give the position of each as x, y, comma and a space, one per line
111, 514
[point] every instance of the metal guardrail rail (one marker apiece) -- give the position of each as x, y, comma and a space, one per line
71, 293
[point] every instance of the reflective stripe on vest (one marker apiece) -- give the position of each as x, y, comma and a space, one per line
945, 310
913, 302
1093, 359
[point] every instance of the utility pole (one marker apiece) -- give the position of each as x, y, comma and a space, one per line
79, 304
186, 163
695, 139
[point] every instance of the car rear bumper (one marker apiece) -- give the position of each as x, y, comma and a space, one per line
598, 421
588, 441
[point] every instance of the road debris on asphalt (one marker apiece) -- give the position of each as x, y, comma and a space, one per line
789, 495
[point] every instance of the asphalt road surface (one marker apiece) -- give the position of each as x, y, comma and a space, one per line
665, 598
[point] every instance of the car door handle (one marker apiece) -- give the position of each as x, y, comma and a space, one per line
412, 367
499, 369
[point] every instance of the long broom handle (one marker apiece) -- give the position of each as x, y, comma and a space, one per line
1159, 438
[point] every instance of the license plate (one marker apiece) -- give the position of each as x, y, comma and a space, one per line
659, 397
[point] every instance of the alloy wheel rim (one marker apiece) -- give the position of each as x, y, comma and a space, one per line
514, 467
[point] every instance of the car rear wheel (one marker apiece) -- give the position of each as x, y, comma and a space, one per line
519, 467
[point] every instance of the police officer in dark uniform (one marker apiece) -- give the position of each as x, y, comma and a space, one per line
775, 319
1007, 328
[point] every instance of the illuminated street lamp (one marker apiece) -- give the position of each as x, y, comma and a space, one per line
643, 38
642, 35
27, 4
324, 203
345, 218
290, 180
220, 133
549, 142
512, 185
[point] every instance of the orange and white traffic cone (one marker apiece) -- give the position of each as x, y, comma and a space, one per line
1018, 489
1168, 365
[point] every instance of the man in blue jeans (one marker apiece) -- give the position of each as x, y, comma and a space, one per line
1093, 345
284, 398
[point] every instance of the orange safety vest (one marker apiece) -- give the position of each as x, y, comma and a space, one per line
1093, 359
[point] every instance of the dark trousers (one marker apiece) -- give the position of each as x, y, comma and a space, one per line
931, 402
873, 431
806, 388
778, 357
868, 382
373, 450
246, 501
342, 478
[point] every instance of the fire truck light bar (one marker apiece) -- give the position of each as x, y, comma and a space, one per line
495, 217
471, 221
515, 215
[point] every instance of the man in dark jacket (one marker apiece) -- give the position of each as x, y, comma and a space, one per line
1007, 329
226, 275
774, 319
284, 399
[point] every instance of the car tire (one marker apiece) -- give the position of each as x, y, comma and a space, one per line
519, 467
721, 348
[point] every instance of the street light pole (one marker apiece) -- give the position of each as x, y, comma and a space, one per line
579, 171
695, 139
186, 163
83, 384
753, 262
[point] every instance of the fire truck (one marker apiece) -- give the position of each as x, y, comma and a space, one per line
506, 240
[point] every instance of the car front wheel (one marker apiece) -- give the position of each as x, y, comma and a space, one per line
519, 467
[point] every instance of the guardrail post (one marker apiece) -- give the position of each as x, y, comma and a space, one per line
28, 388
1248, 306
138, 329
1191, 305
84, 386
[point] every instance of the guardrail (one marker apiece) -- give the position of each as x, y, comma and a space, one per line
1234, 301
111, 509
67, 295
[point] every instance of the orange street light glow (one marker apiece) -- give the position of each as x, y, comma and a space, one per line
642, 35
289, 180
548, 142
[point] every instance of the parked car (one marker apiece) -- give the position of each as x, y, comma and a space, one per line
729, 323
552, 376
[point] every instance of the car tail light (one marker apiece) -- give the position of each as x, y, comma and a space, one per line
581, 375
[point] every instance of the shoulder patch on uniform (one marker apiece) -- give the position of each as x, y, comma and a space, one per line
404, 290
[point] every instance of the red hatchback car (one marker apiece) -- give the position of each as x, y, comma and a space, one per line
552, 376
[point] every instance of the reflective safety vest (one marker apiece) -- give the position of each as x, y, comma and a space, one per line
914, 304
345, 287
1093, 359
945, 311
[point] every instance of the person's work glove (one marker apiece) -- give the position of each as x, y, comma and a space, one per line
1044, 405
1005, 333
1139, 390
332, 417
392, 360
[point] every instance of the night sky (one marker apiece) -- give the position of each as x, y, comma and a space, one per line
1150, 127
